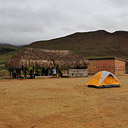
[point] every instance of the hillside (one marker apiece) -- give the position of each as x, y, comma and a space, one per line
5, 48
90, 44
3, 45
6, 52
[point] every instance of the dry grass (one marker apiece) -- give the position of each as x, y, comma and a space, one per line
62, 103
46, 58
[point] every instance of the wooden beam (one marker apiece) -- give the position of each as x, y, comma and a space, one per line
10, 71
57, 73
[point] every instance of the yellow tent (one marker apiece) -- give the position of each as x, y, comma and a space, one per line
104, 79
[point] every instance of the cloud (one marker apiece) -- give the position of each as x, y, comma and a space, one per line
119, 3
24, 21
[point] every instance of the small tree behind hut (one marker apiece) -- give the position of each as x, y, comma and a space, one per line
33, 60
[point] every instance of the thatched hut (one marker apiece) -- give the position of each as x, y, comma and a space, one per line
32, 57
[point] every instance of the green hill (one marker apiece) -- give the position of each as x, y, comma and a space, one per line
3, 45
5, 48
6, 52
90, 44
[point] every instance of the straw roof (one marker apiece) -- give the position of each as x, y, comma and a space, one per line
46, 58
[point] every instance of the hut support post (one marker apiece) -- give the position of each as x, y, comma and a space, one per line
57, 73
48, 71
42, 72
33, 70
20, 73
16, 73
10, 71
24, 70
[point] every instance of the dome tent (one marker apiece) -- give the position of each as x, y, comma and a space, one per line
103, 79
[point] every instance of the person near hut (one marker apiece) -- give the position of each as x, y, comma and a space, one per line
32, 76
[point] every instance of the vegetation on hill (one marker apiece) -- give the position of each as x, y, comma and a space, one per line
3, 58
2, 45
90, 44
6, 48
6, 52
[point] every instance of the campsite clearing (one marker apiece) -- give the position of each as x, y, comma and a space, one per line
62, 103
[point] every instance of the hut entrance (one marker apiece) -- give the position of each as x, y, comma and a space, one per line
34, 72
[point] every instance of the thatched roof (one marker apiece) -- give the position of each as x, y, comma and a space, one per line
46, 58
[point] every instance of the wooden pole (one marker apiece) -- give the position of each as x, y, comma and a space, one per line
24, 70
57, 74
19, 73
16, 73
33, 70
25, 73
42, 72
48, 71
10, 70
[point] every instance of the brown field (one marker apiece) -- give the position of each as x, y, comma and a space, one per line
62, 103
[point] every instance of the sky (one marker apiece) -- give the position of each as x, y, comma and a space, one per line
26, 21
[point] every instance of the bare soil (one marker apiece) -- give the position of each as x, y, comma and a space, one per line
62, 103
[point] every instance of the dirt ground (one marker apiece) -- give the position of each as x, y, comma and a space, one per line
62, 103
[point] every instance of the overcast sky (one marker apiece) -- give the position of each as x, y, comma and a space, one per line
25, 21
